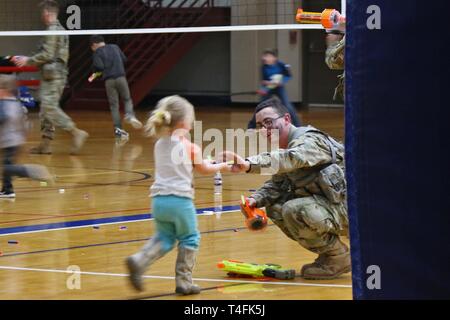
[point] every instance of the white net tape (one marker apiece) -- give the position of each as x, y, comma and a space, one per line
162, 30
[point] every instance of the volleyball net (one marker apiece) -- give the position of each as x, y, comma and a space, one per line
22, 17
190, 47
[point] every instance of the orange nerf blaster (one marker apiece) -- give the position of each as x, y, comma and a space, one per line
255, 218
331, 19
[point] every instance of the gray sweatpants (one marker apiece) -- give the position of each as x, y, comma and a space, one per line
114, 88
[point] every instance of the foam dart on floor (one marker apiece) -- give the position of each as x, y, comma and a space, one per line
329, 18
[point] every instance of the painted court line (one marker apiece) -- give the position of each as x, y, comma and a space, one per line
172, 278
96, 222
87, 175
105, 244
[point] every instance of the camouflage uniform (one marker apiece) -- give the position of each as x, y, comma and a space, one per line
293, 198
334, 58
54, 50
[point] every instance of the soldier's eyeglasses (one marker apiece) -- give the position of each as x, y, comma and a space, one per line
267, 123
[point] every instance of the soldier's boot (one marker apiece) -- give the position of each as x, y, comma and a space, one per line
183, 272
79, 137
38, 172
140, 261
43, 148
329, 265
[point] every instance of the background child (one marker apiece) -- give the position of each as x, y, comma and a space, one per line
275, 76
12, 135
172, 192
109, 60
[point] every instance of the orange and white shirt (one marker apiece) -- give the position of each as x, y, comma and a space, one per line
173, 167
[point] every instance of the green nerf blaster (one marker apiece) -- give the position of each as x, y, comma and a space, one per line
269, 270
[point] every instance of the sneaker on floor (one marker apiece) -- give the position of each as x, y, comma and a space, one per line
135, 123
120, 133
122, 136
7, 195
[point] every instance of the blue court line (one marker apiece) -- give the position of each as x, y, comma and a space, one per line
92, 222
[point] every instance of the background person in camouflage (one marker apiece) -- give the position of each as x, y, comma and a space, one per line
52, 59
293, 197
335, 60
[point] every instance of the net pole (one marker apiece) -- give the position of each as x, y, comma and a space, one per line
344, 7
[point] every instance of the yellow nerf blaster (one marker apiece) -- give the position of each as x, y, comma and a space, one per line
234, 267
330, 19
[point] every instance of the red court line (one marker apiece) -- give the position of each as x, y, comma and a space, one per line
29, 214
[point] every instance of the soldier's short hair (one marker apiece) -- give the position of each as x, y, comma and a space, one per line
49, 5
273, 103
96, 39
8, 82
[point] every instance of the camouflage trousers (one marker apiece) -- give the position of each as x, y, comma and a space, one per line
51, 115
340, 89
313, 222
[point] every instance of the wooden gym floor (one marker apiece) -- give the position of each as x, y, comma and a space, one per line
107, 186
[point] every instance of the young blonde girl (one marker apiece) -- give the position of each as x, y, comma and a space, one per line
172, 193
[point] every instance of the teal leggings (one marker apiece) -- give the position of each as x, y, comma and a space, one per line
175, 219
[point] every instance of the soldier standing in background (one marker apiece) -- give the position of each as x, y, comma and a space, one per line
334, 58
306, 197
52, 59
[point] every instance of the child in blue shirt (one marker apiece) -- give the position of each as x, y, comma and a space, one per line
275, 75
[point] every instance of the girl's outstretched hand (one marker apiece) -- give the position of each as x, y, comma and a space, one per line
238, 164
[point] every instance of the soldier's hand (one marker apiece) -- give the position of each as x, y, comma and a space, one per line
239, 163
20, 61
251, 202
238, 168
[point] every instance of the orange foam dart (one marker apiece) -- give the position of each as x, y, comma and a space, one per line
256, 219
